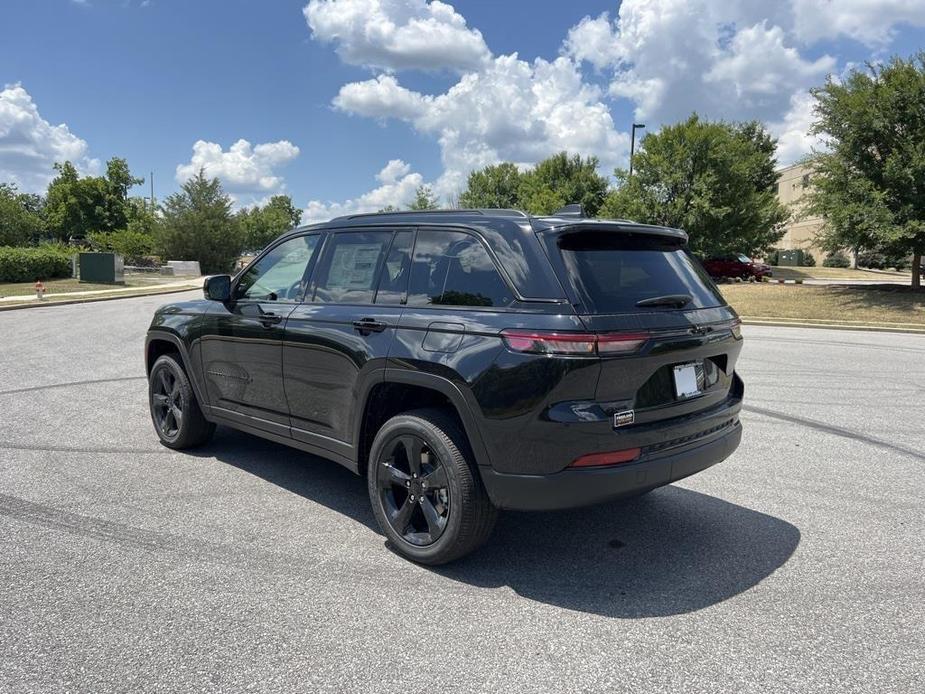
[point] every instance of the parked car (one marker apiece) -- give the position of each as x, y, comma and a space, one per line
464, 362
736, 265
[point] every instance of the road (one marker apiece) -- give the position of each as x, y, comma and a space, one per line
796, 565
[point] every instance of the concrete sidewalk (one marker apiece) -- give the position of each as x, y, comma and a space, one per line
188, 283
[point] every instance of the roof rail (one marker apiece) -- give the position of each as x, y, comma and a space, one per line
410, 212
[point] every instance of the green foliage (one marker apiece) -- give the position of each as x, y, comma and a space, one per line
76, 206
424, 199
495, 186
261, 225
31, 264
389, 208
197, 224
132, 245
867, 185
836, 259
560, 180
882, 260
808, 259
715, 180
20, 216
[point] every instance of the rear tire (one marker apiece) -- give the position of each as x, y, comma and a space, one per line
425, 490
175, 412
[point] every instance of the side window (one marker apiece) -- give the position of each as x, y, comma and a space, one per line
351, 267
280, 274
451, 268
393, 282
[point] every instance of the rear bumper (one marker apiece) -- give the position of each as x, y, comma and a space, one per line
571, 488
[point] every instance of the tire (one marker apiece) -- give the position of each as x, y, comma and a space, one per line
175, 412
429, 523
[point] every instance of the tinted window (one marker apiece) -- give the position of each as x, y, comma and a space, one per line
611, 272
279, 275
351, 267
393, 281
451, 268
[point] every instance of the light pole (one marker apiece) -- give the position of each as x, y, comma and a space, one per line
636, 126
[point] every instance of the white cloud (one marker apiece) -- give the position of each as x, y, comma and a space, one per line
245, 170
397, 34
398, 186
792, 131
869, 21
30, 145
510, 111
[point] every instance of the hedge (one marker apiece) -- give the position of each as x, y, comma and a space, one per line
31, 264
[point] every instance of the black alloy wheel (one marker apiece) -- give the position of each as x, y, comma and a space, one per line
413, 490
166, 403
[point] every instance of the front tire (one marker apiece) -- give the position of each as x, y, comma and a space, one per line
175, 412
424, 488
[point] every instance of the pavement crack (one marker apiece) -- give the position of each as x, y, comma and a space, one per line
836, 430
44, 448
71, 384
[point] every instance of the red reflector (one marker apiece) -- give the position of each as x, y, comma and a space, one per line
603, 459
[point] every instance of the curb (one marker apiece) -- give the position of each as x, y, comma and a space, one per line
864, 327
91, 299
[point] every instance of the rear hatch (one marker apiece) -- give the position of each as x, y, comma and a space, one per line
639, 281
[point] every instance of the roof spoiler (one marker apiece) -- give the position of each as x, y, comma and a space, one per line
573, 210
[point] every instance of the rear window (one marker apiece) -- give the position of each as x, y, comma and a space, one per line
612, 272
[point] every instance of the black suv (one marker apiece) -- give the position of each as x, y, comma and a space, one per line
464, 361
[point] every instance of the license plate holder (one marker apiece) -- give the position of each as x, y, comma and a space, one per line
688, 379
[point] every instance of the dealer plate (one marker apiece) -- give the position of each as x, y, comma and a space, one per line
688, 380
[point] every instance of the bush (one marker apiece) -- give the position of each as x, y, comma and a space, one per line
881, 261
836, 259
808, 259
133, 246
31, 264
771, 257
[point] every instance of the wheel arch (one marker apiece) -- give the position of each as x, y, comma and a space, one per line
157, 344
400, 392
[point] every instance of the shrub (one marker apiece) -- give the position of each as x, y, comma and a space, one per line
808, 259
31, 264
881, 260
771, 257
836, 259
131, 245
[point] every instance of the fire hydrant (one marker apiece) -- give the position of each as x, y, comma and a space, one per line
39, 290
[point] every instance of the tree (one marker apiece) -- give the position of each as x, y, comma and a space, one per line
869, 183
20, 216
263, 224
495, 186
197, 224
715, 180
76, 206
424, 199
561, 180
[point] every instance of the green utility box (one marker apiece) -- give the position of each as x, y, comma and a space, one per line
102, 268
792, 258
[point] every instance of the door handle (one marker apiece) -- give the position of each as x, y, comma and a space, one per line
368, 325
268, 320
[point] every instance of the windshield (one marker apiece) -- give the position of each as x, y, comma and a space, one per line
613, 272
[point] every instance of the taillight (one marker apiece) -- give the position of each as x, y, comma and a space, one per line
736, 329
540, 342
604, 459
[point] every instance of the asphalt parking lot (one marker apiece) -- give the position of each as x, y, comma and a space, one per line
797, 565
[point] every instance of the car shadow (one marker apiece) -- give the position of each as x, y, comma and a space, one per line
670, 552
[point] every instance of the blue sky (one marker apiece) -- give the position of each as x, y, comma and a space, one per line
147, 80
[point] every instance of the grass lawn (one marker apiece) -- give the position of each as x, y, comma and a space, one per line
835, 273
72, 285
861, 304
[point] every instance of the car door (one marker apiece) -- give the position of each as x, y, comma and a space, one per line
337, 341
241, 344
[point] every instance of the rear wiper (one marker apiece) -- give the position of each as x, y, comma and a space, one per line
676, 300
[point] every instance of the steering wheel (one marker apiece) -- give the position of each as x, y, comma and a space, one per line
294, 290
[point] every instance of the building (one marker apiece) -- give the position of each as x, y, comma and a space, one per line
793, 183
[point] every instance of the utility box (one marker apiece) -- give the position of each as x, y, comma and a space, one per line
102, 268
793, 258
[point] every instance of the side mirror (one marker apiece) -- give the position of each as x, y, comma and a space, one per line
217, 288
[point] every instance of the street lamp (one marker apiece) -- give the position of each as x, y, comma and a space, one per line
636, 126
